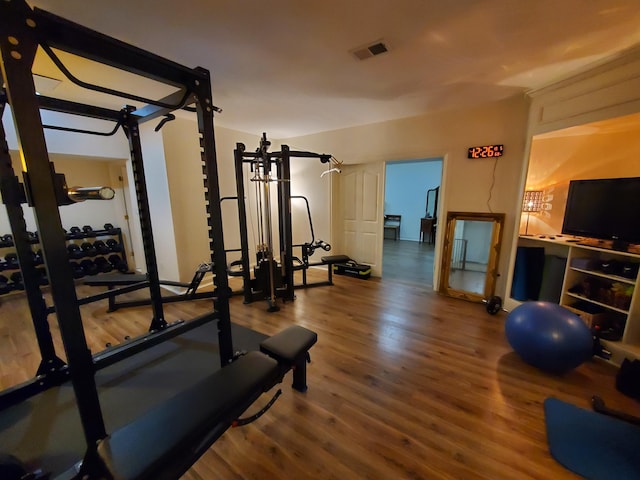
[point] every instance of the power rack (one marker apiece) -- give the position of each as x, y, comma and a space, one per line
227, 391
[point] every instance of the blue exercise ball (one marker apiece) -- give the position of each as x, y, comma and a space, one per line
549, 336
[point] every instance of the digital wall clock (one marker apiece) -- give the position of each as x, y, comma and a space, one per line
486, 151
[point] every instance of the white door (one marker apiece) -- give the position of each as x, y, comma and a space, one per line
359, 214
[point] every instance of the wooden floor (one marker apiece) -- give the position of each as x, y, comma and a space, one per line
413, 262
407, 261
403, 384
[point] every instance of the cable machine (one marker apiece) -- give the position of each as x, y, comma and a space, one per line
272, 277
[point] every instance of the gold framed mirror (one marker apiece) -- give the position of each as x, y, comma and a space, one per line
470, 254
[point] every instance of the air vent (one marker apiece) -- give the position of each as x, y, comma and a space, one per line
371, 50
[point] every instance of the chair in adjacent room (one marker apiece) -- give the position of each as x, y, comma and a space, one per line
392, 224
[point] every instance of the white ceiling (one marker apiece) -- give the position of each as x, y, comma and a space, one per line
284, 67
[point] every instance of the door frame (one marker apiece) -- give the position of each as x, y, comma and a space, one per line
440, 209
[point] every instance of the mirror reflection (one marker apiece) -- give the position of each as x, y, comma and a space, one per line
470, 255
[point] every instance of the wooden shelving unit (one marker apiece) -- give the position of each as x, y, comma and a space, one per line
583, 267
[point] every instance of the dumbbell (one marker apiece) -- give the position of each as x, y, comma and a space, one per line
101, 247
493, 305
16, 278
75, 232
74, 251
44, 278
34, 258
6, 240
12, 260
88, 249
89, 267
118, 263
5, 286
38, 259
76, 270
110, 228
32, 237
88, 231
113, 245
103, 265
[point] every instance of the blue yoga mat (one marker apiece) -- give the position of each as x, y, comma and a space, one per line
591, 444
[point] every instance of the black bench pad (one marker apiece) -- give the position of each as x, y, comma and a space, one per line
331, 259
290, 344
166, 441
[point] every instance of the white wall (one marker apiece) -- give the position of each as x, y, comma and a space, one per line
406, 185
478, 235
306, 181
186, 190
468, 185
155, 170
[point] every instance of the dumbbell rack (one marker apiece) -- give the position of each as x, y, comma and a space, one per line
75, 237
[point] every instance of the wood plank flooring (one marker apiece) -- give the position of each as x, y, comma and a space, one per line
408, 261
403, 384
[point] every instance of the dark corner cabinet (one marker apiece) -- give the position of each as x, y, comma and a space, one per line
596, 283
90, 252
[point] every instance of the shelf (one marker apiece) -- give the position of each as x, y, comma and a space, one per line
621, 350
570, 242
580, 297
635, 349
596, 273
586, 269
76, 239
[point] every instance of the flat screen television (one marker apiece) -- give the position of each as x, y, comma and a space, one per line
607, 209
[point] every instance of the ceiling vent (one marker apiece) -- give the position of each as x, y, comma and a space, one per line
376, 48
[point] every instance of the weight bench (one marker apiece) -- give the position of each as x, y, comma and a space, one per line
290, 348
331, 260
166, 441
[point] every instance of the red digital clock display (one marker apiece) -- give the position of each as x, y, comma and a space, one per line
486, 151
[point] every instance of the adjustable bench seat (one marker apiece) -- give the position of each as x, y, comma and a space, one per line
166, 441
332, 260
290, 348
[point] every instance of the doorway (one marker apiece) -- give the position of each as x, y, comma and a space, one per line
408, 255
